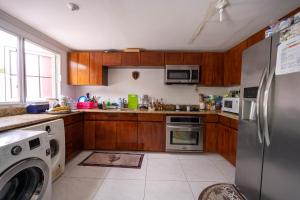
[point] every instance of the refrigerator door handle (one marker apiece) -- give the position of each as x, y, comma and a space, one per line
258, 97
265, 106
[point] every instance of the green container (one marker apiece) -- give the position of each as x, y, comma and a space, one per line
133, 101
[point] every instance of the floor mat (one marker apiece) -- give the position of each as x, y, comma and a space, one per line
111, 159
221, 191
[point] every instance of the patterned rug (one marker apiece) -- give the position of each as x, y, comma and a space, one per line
108, 159
221, 191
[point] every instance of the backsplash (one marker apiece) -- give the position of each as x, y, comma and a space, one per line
151, 82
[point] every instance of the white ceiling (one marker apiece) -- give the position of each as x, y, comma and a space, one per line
149, 24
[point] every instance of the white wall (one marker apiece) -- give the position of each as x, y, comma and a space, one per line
151, 82
18, 27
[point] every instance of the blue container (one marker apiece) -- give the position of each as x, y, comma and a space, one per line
37, 108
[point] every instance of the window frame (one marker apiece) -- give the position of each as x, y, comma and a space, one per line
21, 75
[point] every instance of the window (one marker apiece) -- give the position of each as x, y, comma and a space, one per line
40, 72
29, 74
9, 91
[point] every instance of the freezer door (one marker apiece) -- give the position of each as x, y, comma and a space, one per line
250, 150
281, 171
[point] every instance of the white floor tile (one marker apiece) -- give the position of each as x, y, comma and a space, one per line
121, 190
168, 190
164, 169
227, 169
128, 173
199, 170
193, 156
75, 188
86, 172
198, 187
162, 155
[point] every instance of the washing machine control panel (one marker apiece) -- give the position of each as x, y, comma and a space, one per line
16, 150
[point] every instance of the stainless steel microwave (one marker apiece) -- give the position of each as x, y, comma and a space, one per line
182, 74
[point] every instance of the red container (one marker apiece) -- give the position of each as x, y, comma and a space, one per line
86, 105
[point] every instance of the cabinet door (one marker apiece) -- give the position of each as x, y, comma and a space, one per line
72, 68
89, 135
173, 58
232, 146
152, 58
260, 35
83, 68
130, 59
151, 136
192, 58
211, 137
228, 56
112, 59
212, 69
105, 135
233, 64
126, 135
96, 68
221, 145
77, 137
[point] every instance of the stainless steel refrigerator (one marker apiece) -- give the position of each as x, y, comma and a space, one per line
268, 156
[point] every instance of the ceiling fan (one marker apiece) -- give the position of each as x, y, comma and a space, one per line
215, 6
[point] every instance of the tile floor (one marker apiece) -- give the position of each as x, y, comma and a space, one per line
163, 176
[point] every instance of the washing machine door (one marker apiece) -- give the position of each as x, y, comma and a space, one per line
25, 180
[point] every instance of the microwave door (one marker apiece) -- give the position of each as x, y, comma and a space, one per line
175, 76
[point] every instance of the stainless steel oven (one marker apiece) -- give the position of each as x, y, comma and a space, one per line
184, 133
182, 74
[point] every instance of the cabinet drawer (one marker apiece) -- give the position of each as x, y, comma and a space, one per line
234, 124
151, 117
89, 116
72, 119
116, 116
211, 118
224, 120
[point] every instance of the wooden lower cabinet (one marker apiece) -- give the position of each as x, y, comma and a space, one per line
151, 136
211, 137
74, 139
105, 135
232, 146
126, 135
89, 135
227, 143
222, 144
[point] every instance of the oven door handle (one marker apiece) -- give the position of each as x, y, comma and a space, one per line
184, 127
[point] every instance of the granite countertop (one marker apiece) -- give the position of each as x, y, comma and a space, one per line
18, 121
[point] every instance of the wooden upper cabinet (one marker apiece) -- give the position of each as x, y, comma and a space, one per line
233, 64
97, 71
260, 35
112, 59
83, 68
152, 58
192, 58
173, 58
212, 69
130, 59
72, 68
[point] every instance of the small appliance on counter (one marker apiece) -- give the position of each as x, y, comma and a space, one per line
36, 108
133, 101
231, 104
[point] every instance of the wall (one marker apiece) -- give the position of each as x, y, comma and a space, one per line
18, 27
151, 82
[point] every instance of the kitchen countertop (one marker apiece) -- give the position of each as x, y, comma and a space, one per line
18, 121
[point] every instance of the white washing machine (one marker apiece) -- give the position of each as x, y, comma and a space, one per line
25, 165
56, 134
